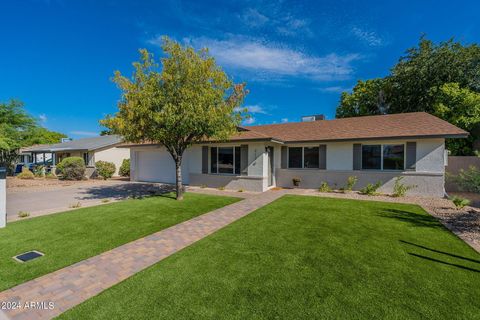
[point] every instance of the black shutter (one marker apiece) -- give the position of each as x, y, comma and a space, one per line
357, 156
284, 162
204, 159
322, 157
244, 159
411, 155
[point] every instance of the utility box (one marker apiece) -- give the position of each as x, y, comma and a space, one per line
3, 197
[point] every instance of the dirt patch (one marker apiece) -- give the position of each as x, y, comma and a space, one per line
14, 184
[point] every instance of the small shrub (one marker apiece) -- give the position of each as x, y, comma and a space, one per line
324, 187
467, 180
39, 171
124, 169
23, 214
50, 176
460, 202
296, 181
26, 174
105, 169
75, 205
105, 200
221, 188
72, 168
203, 186
400, 189
371, 189
351, 182
240, 190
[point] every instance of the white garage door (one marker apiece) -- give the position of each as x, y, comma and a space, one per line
158, 166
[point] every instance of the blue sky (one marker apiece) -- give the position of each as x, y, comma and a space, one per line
58, 56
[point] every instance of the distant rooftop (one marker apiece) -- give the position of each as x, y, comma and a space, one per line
86, 144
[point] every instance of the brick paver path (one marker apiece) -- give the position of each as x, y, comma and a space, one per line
72, 285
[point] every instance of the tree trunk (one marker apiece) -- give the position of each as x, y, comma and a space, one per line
179, 186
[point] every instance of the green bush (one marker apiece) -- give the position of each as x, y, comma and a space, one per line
124, 170
324, 187
459, 202
50, 176
39, 171
371, 189
72, 168
26, 174
468, 180
105, 169
351, 182
400, 189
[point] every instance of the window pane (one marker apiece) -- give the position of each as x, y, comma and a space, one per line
213, 160
225, 160
371, 157
393, 156
237, 160
310, 157
295, 157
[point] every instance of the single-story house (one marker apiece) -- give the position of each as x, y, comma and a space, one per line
372, 148
105, 148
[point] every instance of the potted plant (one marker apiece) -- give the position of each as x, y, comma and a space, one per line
296, 181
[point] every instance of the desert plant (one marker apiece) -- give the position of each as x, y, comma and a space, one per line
75, 205
351, 182
240, 190
371, 189
50, 176
26, 174
459, 202
39, 171
72, 168
400, 189
296, 181
105, 169
105, 200
324, 187
124, 169
467, 180
221, 188
23, 214
203, 186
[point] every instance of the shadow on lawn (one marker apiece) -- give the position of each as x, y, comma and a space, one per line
126, 190
441, 252
443, 262
415, 219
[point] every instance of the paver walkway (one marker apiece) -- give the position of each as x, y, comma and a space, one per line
72, 285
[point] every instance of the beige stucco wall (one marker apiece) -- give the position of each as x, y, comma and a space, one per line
115, 155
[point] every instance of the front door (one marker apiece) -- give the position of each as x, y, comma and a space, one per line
270, 166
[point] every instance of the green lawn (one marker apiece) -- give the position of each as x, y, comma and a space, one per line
69, 237
303, 258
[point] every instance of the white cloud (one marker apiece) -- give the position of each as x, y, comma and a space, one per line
269, 60
43, 117
85, 133
334, 89
253, 18
371, 38
284, 120
256, 109
250, 120
291, 26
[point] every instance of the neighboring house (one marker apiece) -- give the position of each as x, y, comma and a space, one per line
373, 148
103, 148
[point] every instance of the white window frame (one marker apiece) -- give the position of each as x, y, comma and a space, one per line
303, 157
210, 157
381, 156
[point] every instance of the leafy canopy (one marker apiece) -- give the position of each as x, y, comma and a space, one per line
186, 99
423, 80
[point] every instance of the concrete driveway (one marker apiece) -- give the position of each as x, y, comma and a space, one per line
50, 200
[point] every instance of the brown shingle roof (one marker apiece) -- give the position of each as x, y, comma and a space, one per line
402, 125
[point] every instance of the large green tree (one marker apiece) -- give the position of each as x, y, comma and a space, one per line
415, 84
184, 100
19, 129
